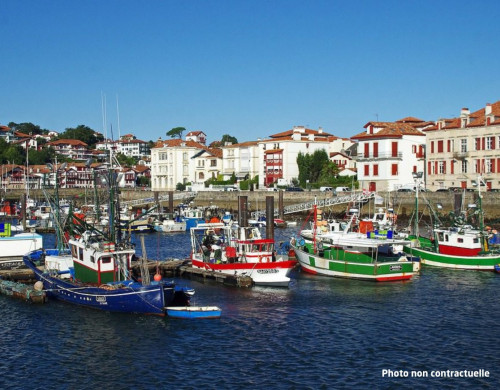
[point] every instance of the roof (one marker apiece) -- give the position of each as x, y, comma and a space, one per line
409, 119
191, 133
389, 130
241, 145
74, 142
302, 130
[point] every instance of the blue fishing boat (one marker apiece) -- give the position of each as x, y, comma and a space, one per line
93, 268
193, 312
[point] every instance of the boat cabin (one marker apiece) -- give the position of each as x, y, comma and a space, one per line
99, 262
458, 242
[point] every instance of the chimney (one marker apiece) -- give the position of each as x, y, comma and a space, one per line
487, 110
320, 130
464, 117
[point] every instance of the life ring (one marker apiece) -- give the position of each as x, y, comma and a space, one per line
302, 242
320, 246
292, 241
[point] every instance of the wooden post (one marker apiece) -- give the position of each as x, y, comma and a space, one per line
281, 207
243, 211
270, 217
170, 201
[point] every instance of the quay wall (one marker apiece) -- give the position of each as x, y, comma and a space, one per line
403, 202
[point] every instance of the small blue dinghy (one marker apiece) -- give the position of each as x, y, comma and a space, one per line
193, 311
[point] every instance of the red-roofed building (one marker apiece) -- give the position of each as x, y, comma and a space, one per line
389, 152
71, 148
462, 148
183, 161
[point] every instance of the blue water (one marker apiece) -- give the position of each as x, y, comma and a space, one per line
321, 333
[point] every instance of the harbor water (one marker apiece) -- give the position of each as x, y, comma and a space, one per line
320, 333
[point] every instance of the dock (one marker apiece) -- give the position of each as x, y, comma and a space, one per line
166, 268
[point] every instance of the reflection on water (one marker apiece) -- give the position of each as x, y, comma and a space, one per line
319, 333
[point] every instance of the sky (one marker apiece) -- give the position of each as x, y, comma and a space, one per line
249, 69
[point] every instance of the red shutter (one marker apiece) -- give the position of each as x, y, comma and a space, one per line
394, 149
429, 167
367, 150
367, 170
375, 149
452, 167
484, 144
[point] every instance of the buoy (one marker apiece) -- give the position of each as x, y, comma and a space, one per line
157, 277
38, 286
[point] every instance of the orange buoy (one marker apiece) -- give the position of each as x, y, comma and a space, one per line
157, 277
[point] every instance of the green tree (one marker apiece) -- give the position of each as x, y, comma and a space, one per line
27, 128
41, 157
310, 166
328, 173
82, 133
125, 161
228, 138
176, 132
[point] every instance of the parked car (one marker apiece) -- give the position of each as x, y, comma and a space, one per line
324, 189
297, 189
405, 190
443, 190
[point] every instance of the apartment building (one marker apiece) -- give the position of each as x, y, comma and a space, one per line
241, 159
462, 148
183, 161
389, 152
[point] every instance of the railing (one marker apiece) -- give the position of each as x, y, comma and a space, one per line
379, 155
297, 208
151, 199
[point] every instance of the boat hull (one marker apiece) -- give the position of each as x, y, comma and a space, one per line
485, 262
194, 312
350, 269
263, 274
130, 297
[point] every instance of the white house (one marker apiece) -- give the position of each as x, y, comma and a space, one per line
182, 161
389, 152
241, 159
278, 155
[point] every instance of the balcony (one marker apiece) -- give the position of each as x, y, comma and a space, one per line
380, 156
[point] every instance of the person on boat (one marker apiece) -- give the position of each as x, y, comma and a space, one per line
217, 253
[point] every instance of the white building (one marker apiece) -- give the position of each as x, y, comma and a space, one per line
460, 149
389, 152
278, 155
127, 145
241, 159
181, 161
197, 136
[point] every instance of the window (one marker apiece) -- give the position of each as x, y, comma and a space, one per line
490, 143
463, 145
488, 165
213, 163
367, 170
375, 169
367, 150
440, 146
477, 144
464, 166
441, 167
375, 149
394, 169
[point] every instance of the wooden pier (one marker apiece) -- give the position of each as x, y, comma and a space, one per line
166, 268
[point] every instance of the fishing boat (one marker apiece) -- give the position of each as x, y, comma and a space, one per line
190, 312
100, 268
14, 246
354, 255
240, 251
461, 246
170, 224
